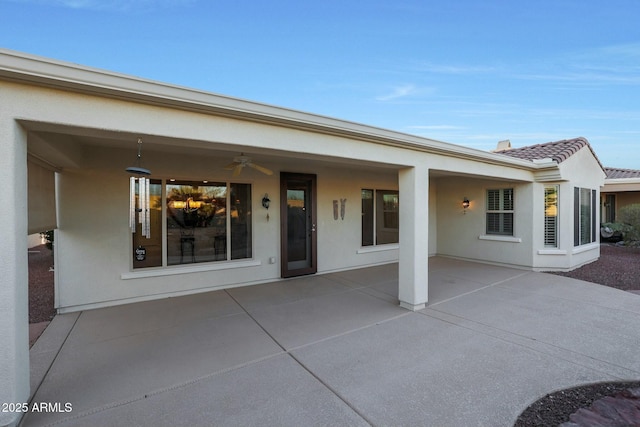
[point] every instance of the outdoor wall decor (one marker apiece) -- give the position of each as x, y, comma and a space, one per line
140, 205
141, 253
266, 202
139, 196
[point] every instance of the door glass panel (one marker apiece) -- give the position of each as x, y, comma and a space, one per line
367, 217
297, 227
240, 221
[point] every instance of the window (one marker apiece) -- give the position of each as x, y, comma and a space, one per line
205, 222
203, 217
551, 216
584, 216
380, 217
500, 211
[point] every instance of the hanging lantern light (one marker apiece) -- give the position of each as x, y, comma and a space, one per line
139, 185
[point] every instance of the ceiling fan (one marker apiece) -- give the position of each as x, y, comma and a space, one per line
241, 161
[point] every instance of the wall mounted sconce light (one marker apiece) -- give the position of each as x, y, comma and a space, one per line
465, 204
266, 201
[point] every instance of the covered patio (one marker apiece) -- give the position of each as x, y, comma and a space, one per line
336, 349
178, 250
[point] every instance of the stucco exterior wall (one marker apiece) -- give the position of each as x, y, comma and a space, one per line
41, 193
626, 199
459, 231
580, 170
433, 217
583, 170
93, 190
94, 242
339, 241
88, 216
93, 199
626, 192
549, 258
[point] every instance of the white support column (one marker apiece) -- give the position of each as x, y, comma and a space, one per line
14, 273
414, 237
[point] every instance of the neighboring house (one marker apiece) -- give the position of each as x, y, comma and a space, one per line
341, 196
621, 188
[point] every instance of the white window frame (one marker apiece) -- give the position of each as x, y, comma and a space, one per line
502, 211
551, 217
205, 265
584, 235
377, 218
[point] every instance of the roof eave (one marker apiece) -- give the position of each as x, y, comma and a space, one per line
24, 68
621, 181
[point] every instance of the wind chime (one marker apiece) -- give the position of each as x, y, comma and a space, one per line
141, 205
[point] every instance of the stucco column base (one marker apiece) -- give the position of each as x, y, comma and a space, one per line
412, 307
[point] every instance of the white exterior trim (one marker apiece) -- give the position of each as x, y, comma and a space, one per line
552, 252
586, 248
378, 248
498, 238
188, 268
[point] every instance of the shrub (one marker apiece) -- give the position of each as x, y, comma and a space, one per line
630, 215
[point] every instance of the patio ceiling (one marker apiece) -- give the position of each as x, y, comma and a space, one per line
63, 147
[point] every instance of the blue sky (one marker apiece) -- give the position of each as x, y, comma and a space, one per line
469, 72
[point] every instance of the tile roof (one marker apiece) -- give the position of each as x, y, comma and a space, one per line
557, 151
617, 173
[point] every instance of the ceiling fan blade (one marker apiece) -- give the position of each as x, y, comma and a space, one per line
260, 168
231, 166
238, 169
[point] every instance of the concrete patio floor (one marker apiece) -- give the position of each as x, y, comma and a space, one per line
336, 349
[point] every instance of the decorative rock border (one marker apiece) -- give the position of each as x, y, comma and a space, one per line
621, 409
560, 406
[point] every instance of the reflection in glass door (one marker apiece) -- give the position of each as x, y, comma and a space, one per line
298, 224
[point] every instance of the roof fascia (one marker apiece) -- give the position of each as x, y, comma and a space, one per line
35, 70
622, 181
620, 187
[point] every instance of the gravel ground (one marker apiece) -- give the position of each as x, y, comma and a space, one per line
618, 267
40, 284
